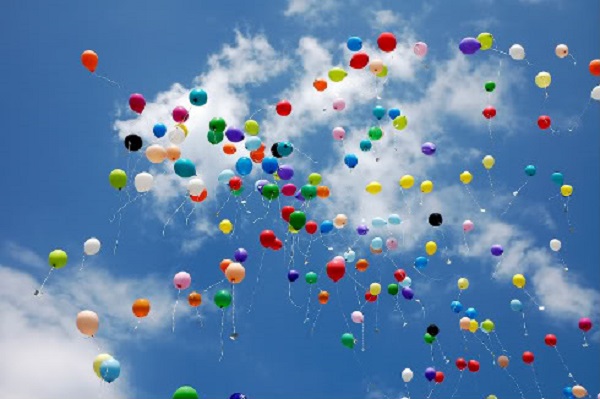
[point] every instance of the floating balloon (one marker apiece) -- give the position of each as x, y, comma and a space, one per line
359, 60
159, 130
354, 43
497, 250
488, 162
182, 280
283, 108
486, 40
378, 112
198, 97
468, 226
566, 190
544, 122
351, 160
337, 74
517, 52
185, 392
173, 153
184, 168
180, 114
435, 219
406, 182
387, 42
420, 49
320, 84
400, 122
594, 67
427, 186
225, 226
407, 375
466, 177
489, 112
137, 103
222, 298
561, 51
87, 322
373, 188
543, 80
519, 281
463, 283
428, 148
89, 59
117, 179
91, 246
98, 361
489, 86
339, 104
141, 308
469, 45
133, 142
110, 369
348, 340
528, 357
58, 258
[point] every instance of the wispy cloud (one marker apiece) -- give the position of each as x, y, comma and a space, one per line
23, 255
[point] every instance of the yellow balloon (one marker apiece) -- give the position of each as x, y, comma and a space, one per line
486, 40
427, 186
566, 190
374, 187
400, 122
225, 226
463, 283
337, 74
473, 325
98, 362
276, 176
407, 181
292, 230
251, 127
491, 397
488, 162
431, 248
314, 179
519, 280
543, 79
375, 289
466, 177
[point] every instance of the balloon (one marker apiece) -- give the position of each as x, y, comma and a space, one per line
530, 170
362, 265
270, 191
184, 168
503, 361
298, 220
387, 42
133, 142
400, 122
377, 243
323, 297
428, 338
489, 112
373, 188
406, 282
516, 305
338, 133
557, 178
229, 149
585, 324
420, 49
91, 246
336, 269
488, 326
391, 244
320, 84
528, 357
430, 373
464, 323
217, 125
566, 190
251, 127
461, 363
378, 112
555, 245
89, 59
568, 393
240, 255
141, 307
428, 148
488, 162
550, 340
407, 375
178, 134
159, 130
378, 222
393, 289
326, 226
486, 40
463, 283
201, 197
359, 60
270, 165
110, 369
376, 66
185, 392
351, 160
439, 377
466, 177
283, 108
196, 186
314, 179
497, 250
156, 153
348, 340
561, 51
473, 366
98, 361
308, 191
375, 133
349, 256
198, 97
471, 313
595, 67
433, 330
489, 86
235, 135
456, 306
544, 122
222, 298
173, 153
323, 191
288, 190
337, 74
354, 43
469, 45
214, 137
517, 52
293, 276
406, 182
340, 221
427, 186
394, 219
182, 280
117, 179
375, 289
137, 103
235, 273
58, 258
311, 277
87, 322
180, 114
357, 317
421, 262
579, 391
543, 80
468, 226
339, 104
407, 293
518, 280
435, 219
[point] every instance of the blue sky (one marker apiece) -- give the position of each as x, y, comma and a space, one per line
70, 128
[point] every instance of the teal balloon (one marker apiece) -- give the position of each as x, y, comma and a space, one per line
198, 97
110, 369
285, 148
558, 178
365, 145
530, 170
394, 219
185, 168
378, 222
378, 112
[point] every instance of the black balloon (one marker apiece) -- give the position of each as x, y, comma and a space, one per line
435, 219
133, 142
274, 151
433, 330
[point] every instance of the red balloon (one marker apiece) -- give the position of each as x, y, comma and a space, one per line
369, 297
550, 340
544, 122
387, 42
284, 108
286, 211
199, 198
267, 238
235, 183
585, 324
528, 357
311, 227
473, 366
489, 112
359, 60
277, 245
439, 377
336, 269
461, 364
400, 275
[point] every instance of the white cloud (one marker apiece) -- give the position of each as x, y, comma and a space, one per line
23, 255
313, 10
385, 19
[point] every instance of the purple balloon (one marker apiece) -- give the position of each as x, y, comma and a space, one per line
260, 184
428, 148
285, 172
289, 190
293, 275
469, 45
408, 293
234, 135
362, 229
497, 250
299, 195
240, 255
238, 396
430, 373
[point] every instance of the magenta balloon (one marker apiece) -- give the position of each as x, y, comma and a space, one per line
180, 114
420, 49
182, 280
288, 190
137, 102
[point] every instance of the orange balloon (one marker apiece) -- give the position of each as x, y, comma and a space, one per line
225, 264
235, 273
362, 265
256, 156
201, 197
503, 361
229, 149
595, 67
141, 307
323, 297
320, 84
322, 191
89, 59
195, 299
173, 152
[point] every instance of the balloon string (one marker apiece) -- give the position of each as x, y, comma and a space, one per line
446, 360
234, 335
585, 343
265, 215
377, 316
515, 193
491, 183
356, 282
457, 384
175, 309
482, 210
566, 210
431, 391
307, 253
422, 308
137, 325
356, 289
118, 234
314, 325
224, 203
562, 360
466, 244
541, 308
213, 285
491, 346
499, 342
525, 333
173, 215
257, 280
39, 292
448, 261
222, 328
189, 215
306, 318
431, 351
82, 262
199, 316
536, 381
486, 347
122, 208
306, 156
339, 301
515, 382
290, 296
496, 269
112, 82
406, 201
397, 307
578, 118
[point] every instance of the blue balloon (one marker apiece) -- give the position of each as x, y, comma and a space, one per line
293, 275
378, 222
238, 395
393, 113
365, 145
354, 43
558, 178
516, 305
184, 168
406, 282
351, 160
110, 369
225, 176
159, 130
198, 97
568, 392
253, 143
285, 148
326, 226
456, 306
377, 243
378, 112
270, 165
394, 219
243, 166
421, 262
471, 313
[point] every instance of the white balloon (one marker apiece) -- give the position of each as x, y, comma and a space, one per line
517, 52
196, 186
596, 93
91, 246
561, 51
555, 245
143, 182
407, 375
177, 135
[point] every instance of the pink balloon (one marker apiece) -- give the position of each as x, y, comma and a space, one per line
340, 259
468, 226
338, 133
420, 49
180, 114
339, 104
137, 103
289, 190
391, 244
357, 317
182, 280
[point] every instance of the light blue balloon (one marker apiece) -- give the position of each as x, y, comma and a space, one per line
110, 369
568, 392
378, 222
184, 168
530, 170
558, 178
394, 219
270, 165
377, 243
471, 313
365, 145
516, 305
456, 306
159, 130
225, 176
243, 166
354, 43
378, 112
406, 282
421, 262
326, 226
349, 256
351, 160
393, 113
253, 143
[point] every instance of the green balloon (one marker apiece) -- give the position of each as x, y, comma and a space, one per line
270, 191
58, 258
375, 133
118, 178
214, 137
308, 191
429, 338
490, 86
239, 192
314, 179
222, 298
297, 220
393, 289
337, 74
185, 393
217, 124
348, 340
488, 326
383, 73
400, 122
311, 277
